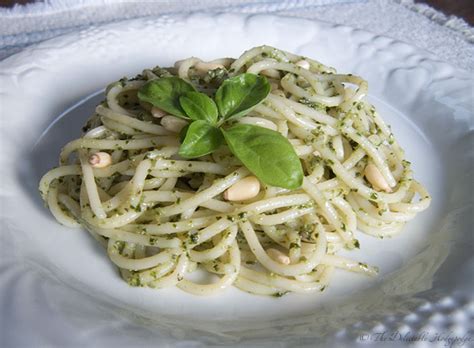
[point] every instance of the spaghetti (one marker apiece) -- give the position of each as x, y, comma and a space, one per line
161, 217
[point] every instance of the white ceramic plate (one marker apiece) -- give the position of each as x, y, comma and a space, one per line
59, 288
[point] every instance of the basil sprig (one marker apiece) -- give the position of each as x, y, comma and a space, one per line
266, 153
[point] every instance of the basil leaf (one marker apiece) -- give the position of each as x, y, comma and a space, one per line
201, 139
237, 95
164, 93
267, 154
199, 106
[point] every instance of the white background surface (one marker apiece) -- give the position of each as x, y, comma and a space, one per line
57, 286
449, 38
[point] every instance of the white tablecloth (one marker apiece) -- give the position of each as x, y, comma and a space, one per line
449, 38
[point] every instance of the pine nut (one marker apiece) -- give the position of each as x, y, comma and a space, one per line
242, 190
278, 256
100, 160
173, 124
373, 175
303, 64
157, 112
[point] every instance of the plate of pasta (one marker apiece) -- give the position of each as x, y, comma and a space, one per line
249, 190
